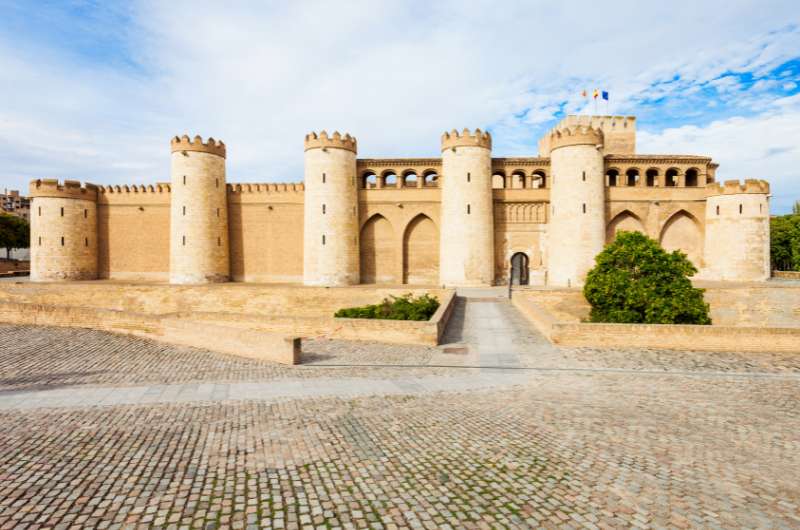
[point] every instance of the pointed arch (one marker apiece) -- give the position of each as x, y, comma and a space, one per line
682, 232
625, 220
421, 251
378, 251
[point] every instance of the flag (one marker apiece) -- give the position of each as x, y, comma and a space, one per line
605, 95
595, 94
583, 94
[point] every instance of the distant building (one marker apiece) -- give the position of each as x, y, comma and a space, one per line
15, 204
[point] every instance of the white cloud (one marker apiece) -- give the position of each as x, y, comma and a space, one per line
763, 146
395, 74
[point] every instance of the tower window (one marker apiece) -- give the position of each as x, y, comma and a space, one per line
760, 208
584, 207
740, 208
717, 210
323, 239
62, 241
85, 214
216, 182
469, 176
184, 210
584, 176
184, 180
323, 178
86, 241
323, 209
62, 211
468, 209
219, 241
40, 241
40, 211
183, 240
217, 212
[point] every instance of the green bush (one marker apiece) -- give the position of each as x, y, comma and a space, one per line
785, 241
395, 308
636, 281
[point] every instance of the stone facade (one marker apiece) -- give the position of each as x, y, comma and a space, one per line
461, 219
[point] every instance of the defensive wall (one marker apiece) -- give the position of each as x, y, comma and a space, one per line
457, 220
745, 317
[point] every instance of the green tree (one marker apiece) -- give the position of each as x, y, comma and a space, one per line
636, 281
14, 233
785, 242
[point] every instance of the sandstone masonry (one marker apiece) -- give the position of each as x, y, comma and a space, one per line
463, 219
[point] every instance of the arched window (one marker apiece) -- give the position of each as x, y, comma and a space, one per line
652, 178
632, 177
390, 180
410, 179
671, 178
539, 179
612, 177
691, 178
498, 181
430, 179
369, 180
518, 179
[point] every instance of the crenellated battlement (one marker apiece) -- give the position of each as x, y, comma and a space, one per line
69, 189
161, 187
291, 187
336, 141
734, 187
184, 143
575, 135
466, 138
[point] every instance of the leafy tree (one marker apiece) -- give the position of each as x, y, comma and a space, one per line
395, 308
14, 233
636, 281
785, 242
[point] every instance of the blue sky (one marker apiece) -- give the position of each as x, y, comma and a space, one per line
94, 90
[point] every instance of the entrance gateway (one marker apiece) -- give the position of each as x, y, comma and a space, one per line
519, 269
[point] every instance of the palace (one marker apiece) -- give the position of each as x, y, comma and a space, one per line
464, 219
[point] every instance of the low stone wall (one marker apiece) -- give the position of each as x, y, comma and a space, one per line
570, 331
233, 340
286, 310
786, 275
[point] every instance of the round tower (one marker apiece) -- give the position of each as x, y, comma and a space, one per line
198, 212
576, 230
330, 229
466, 248
737, 231
63, 231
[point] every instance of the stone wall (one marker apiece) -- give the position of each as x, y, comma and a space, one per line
290, 310
745, 319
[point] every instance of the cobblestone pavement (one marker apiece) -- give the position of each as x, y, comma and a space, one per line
370, 435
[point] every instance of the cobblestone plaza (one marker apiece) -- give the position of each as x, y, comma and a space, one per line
496, 429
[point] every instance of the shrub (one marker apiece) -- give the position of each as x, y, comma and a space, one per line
636, 281
785, 242
395, 308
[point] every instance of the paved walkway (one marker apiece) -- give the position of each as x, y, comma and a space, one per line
496, 429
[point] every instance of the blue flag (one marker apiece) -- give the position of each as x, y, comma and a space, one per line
605, 95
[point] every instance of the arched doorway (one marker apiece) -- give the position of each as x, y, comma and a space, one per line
377, 251
421, 252
519, 269
626, 221
681, 232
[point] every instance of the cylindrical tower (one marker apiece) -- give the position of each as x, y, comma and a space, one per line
198, 212
63, 231
576, 231
466, 248
737, 231
330, 229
